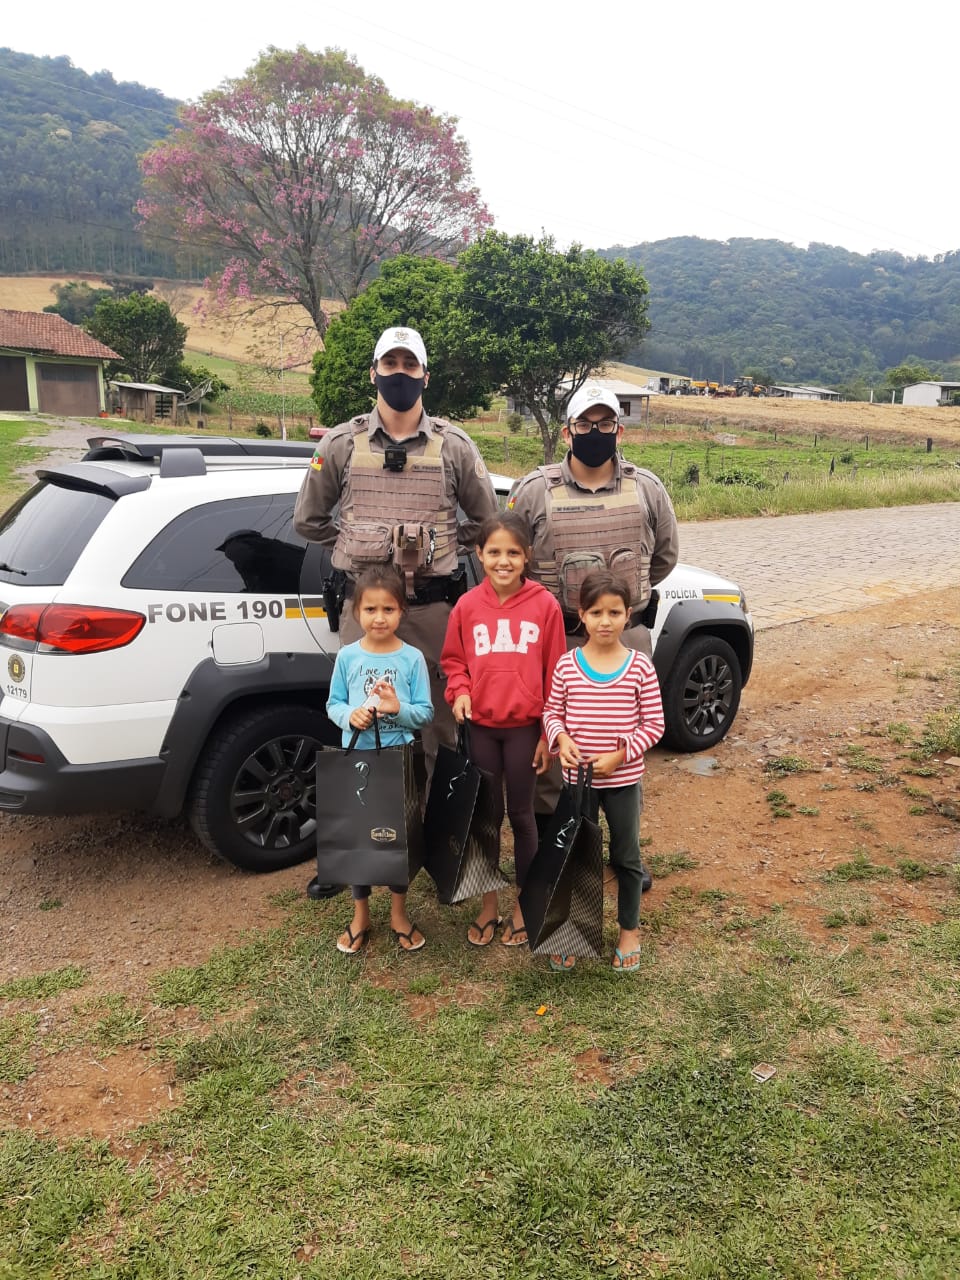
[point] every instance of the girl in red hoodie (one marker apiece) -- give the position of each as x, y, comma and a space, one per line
503, 641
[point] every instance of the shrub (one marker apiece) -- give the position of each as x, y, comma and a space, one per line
740, 475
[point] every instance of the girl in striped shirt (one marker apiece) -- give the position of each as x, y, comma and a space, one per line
604, 708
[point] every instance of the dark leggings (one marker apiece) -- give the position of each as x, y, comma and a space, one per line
360, 891
507, 755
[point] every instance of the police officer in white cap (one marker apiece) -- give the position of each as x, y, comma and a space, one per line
408, 490
595, 510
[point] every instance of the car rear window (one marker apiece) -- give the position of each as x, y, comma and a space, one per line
44, 532
239, 545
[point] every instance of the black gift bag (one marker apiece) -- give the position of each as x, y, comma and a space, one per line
368, 815
562, 900
462, 841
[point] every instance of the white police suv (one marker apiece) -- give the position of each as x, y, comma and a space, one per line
164, 643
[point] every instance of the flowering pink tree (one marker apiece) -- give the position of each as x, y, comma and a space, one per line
305, 173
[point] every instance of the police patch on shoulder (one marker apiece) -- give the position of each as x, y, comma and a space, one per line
480, 468
316, 462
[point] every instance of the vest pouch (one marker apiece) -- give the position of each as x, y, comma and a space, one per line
413, 546
573, 569
626, 564
368, 544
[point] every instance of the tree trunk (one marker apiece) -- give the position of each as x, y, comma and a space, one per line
549, 432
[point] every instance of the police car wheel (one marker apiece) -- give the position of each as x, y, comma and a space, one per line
253, 799
701, 694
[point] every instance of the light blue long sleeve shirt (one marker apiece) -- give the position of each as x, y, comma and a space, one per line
355, 672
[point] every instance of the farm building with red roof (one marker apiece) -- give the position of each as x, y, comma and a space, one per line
48, 365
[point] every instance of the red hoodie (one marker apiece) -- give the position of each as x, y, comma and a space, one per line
503, 655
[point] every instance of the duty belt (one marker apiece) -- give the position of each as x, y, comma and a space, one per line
433, 590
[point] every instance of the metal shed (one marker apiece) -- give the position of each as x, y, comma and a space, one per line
147, 401
930, 393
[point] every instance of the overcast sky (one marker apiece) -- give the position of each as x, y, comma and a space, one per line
614, 122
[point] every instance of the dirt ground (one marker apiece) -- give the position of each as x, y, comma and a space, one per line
125, 896
138, 894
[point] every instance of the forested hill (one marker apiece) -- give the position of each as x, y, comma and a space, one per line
822, 314
69, 144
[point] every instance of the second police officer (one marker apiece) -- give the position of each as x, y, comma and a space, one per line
595, 510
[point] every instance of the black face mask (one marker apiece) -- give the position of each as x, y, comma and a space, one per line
400, 391
593, 449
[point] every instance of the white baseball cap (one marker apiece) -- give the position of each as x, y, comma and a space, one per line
591, 393
405, 339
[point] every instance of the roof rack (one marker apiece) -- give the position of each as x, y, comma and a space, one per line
119, 446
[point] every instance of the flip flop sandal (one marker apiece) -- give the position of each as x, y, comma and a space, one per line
509, 933
414, 946
623, 957
363, 937
493, 924
561, 966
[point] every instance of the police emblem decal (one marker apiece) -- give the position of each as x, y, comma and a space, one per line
16, 668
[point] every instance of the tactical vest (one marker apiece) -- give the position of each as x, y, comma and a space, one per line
397, 517
604, 530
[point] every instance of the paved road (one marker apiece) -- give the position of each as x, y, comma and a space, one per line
794, 567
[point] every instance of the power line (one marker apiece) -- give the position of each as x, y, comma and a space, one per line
94, 93
788, 198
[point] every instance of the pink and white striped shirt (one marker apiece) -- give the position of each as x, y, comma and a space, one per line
604, 715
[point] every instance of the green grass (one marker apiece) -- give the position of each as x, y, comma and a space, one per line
14, 456
325, 1126
767, 474
941, 734
858, 868
17, 1034
667, 864
42, 986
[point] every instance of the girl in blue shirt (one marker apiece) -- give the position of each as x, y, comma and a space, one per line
379, 670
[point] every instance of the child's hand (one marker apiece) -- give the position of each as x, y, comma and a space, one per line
361, 718
570, 755
541, 757
462, 708
608, 763
389, 702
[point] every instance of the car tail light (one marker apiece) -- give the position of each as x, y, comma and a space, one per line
71, 628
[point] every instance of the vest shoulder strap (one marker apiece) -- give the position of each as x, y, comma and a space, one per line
552, 472
361, 442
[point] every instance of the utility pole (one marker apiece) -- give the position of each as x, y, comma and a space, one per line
283, 402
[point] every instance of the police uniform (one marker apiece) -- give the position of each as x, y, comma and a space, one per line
627, 525
443, 477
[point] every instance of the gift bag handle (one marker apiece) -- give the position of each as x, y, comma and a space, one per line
463, 739
356, 734
582, 789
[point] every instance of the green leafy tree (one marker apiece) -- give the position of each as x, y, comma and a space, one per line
903, 375
537, 322
411, 291
76, 300
187, 377
143, 331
